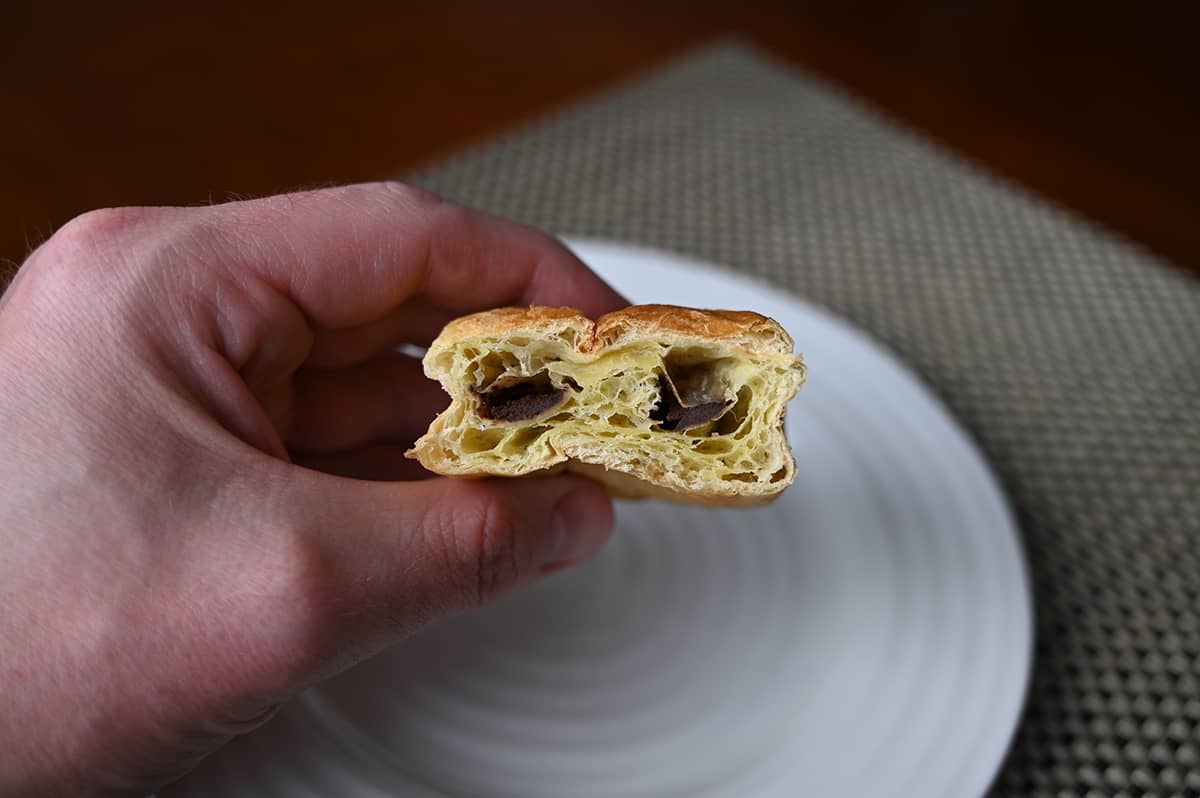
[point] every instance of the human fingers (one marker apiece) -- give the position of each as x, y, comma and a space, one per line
386, 398
414, 322
349, 256
370, 461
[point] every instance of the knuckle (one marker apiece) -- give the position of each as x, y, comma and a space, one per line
485, 546
298, 605
95, 230
90, 243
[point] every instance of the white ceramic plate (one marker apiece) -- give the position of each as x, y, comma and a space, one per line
869, 634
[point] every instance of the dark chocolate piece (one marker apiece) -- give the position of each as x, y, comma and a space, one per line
673, 415
697, 384
519, 398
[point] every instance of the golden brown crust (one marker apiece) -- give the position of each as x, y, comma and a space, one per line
740, 327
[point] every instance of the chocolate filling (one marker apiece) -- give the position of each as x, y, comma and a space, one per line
697, 407
519, 398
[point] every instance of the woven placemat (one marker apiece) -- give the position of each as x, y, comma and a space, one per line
1072, 357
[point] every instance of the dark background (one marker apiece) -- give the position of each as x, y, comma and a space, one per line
1094, 105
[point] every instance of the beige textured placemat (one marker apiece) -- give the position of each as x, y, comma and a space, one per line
1072, 357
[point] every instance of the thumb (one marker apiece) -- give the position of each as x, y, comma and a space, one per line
472, 541
395, 555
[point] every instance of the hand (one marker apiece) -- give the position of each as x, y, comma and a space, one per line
169, 572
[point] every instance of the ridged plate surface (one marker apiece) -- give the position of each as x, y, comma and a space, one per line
869, 634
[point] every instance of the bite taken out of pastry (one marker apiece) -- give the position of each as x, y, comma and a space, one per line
652, 400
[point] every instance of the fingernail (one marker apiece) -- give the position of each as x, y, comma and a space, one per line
580, 527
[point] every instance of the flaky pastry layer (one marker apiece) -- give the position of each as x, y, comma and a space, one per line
652, 400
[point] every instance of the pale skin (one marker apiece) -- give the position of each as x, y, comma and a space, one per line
205, 506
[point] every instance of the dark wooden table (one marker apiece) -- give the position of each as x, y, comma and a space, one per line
1094, 105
